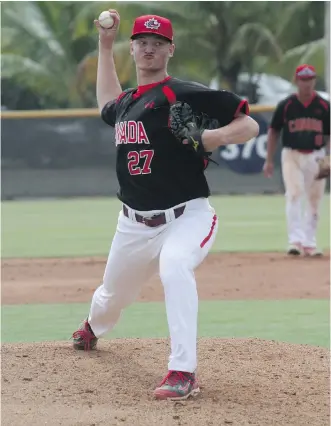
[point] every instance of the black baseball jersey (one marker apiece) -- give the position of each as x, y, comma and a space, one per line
155, 171
304, 126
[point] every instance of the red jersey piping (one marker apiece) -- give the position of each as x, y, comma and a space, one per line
143, 89
242, 104
208, 237
169, 94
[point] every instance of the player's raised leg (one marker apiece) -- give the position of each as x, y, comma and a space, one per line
131, 261
189, 241
314, 194
294, 190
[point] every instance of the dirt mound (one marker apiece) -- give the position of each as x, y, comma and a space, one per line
244, 382
221, 276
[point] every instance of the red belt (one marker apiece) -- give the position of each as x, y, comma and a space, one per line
156, 220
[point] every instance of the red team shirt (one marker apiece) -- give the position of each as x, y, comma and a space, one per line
155, 171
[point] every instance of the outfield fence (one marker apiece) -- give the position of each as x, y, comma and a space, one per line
67, 153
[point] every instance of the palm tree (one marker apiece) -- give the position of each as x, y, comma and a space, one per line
42, 45
212, 38
302, 38
50, 48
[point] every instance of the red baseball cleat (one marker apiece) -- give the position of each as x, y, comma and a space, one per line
84, 338
177, 385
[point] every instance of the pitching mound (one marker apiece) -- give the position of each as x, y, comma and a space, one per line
244, 382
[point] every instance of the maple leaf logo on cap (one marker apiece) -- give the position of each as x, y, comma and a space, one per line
152, 24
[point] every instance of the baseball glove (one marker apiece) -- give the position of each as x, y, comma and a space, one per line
188, 127
324, 167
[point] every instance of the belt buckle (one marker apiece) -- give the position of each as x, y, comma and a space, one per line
148, 221
145, 220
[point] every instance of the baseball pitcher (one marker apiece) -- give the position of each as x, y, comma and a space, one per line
304, 119
165, 130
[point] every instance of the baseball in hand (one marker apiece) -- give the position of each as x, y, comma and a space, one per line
106, 20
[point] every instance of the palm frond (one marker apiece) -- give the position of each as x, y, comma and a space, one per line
291, 10
28, 18
123, 62
254, 31
304, 52
83, 20
170, 9
8, 36
309, 52
14, 65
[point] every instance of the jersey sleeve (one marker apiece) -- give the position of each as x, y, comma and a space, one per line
110, 110
222, 105
277, 121
229, 106
108, 113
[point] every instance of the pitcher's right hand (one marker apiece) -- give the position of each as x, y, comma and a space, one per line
107, 35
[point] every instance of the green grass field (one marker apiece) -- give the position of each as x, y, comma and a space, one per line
296, 321
84, 227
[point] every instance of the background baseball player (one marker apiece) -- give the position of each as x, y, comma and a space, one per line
166, 224
304, 119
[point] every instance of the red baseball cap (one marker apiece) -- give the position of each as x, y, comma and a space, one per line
305, 71
153, 24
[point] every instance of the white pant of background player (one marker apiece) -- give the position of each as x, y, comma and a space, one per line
299, 170
173, 250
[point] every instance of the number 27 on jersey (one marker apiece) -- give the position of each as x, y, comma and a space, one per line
139, 162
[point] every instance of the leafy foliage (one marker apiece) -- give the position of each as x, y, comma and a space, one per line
49, 49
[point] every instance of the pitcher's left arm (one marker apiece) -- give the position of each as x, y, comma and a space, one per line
227, 120
240, 130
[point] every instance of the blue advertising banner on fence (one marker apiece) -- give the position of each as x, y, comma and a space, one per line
248, 158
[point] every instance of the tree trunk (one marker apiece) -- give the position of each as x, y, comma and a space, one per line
229, 75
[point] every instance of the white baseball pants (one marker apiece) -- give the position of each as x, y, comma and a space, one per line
299, 170
173, 250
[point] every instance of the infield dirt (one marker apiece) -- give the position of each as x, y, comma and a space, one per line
243, 382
